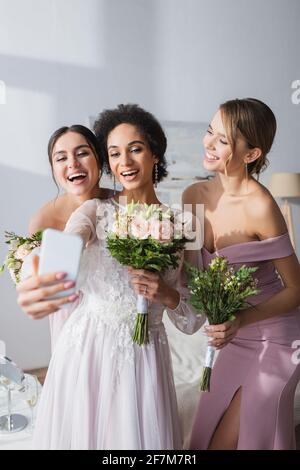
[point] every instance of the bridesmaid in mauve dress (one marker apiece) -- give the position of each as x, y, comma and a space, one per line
251, 399
258, 359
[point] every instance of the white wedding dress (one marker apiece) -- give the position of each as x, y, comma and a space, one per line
101, 390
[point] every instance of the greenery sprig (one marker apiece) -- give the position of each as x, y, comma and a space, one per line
19, 248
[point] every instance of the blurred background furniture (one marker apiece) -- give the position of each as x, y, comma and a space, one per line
19, 394
21, 440
286, 186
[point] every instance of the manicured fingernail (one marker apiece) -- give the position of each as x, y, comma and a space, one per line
73, 297
69, 284
209, 328
60, 276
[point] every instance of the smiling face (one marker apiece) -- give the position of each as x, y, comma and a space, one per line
130, 157
74, 164
218, 150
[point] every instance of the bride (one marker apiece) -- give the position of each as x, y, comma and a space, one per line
101, 390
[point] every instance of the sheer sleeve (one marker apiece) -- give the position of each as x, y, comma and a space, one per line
83, 221
184, 316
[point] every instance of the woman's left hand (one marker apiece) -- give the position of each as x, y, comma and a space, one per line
222, 334
151, 286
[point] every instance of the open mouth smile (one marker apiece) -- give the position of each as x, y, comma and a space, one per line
77, 178
129, 175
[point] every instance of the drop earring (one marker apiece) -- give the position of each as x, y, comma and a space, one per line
246, 173
114, 185
155, 175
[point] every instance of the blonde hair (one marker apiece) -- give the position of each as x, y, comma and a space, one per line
257, 125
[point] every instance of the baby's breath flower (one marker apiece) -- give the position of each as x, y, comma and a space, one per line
220, 292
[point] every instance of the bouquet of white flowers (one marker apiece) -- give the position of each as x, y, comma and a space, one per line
146, 237
19, 248
219, 292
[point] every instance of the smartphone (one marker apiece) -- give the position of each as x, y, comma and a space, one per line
61, 252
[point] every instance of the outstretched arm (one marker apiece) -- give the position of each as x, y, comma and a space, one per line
83, 221
33, 291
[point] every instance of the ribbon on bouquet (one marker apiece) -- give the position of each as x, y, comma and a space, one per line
142, 305
141, 334
209, 357
207, 369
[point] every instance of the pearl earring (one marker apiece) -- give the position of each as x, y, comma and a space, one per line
155, 175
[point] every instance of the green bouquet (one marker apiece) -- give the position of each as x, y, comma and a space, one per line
219, 292
19, 248
145, 237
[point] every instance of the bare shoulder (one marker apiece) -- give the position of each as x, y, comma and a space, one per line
46, 217
265, 213
195, 193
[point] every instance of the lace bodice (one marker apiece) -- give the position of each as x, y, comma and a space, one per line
105, 283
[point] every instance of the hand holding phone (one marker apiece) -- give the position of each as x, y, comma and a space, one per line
61, 252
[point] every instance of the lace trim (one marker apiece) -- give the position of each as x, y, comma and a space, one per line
93, 319
95, 315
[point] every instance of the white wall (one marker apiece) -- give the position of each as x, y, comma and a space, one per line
63, 60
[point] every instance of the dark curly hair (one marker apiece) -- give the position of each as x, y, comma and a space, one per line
144, 121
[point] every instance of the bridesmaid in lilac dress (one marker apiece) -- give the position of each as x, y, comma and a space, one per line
250, 405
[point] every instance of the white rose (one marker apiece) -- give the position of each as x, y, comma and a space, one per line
22, 251
140, 228
163, 230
